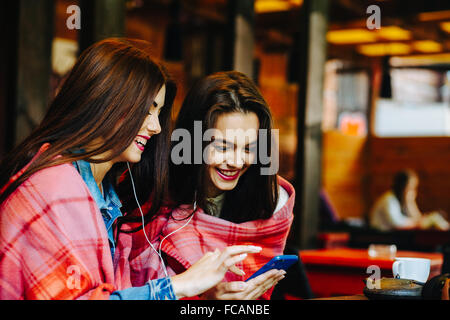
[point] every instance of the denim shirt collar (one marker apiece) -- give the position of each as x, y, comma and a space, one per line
110, 196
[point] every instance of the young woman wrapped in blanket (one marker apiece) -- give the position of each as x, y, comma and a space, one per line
226, 198
58, 204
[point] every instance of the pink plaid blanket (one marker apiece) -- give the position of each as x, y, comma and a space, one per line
53, 241
206, 233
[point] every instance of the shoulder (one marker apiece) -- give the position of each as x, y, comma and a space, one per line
283, 193
52, 204
286, 186
283, 197
286, 196
55, 181
388, 198
48, 190
386, 204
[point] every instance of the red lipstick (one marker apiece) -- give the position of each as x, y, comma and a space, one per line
228, 178
141, 146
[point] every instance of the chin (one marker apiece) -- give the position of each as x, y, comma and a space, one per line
133, 158
226, 187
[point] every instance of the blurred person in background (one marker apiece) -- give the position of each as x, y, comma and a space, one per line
397, 209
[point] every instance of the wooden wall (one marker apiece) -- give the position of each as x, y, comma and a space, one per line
282, 98
357, 170
343, 172
428, 156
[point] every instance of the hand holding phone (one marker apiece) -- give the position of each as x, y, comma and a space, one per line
278, 262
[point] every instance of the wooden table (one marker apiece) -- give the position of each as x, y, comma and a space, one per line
341, 271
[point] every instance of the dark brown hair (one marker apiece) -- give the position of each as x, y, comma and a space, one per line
399, 183
255, 195
107, 94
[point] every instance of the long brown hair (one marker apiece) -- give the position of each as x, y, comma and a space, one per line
107, 94
400, 182
255, 195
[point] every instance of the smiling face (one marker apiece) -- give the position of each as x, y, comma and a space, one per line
231, 152
149, 128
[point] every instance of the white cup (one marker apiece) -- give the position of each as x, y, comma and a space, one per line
411, 268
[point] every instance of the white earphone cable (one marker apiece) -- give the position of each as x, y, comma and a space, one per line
158, 252
160, 244
142, 219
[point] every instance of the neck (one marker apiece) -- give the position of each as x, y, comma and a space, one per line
213, 195
99, 171
211, 191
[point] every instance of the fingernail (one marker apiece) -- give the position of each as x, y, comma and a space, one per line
255, 248
243, 255
241, 272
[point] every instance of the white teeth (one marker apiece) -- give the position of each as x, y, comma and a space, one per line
141, 141
228, 173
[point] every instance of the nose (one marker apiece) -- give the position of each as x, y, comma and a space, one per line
236, 159
152, 124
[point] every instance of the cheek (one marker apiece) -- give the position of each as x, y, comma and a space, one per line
213, 176
250, 159
214, 157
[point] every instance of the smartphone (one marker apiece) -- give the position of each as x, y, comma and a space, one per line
278, 262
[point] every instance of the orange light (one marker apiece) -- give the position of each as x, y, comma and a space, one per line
393, 33
263, 6
384, 49
351, 36
445, 26
427, 46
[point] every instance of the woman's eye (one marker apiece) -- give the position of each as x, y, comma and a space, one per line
220, 148
157, 112
250, 149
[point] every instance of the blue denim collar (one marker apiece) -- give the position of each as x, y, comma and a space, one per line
110, 196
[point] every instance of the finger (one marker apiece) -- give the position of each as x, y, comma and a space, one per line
230, 262
264, 277
213, 254
234, 286
237, 250
236, 270
259, 285
261, 289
